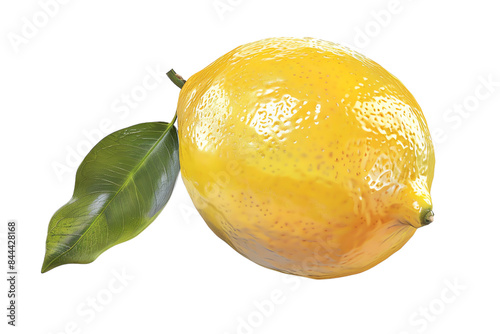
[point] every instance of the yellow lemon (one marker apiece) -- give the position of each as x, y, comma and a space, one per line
305, 157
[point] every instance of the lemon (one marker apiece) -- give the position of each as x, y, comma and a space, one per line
305, 157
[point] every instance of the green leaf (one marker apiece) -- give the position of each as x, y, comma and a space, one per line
121, 187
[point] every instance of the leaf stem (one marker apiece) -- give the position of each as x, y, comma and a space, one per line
176, 78
172, 121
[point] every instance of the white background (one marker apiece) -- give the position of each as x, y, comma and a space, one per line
61, 86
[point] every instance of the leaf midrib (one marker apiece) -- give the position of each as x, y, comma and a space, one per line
129, 178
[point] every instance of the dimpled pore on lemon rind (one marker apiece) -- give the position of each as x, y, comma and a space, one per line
305, 157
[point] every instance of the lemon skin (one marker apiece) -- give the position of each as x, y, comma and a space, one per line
305, 157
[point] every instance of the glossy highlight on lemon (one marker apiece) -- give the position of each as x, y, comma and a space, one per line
306, 157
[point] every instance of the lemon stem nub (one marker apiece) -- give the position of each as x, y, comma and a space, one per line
428, 218
176, 78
